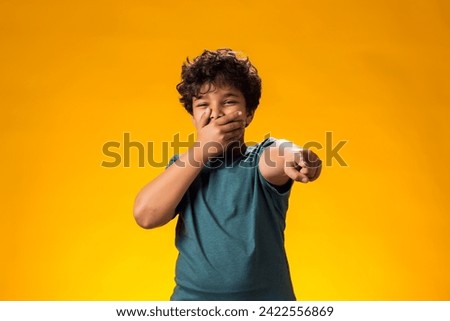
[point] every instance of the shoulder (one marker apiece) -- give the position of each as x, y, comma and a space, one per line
269, 169
271, 164
258, 149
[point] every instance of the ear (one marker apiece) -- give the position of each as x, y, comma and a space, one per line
249, 118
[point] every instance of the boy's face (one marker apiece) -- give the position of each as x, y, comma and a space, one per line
222, 100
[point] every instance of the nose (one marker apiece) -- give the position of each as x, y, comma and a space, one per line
216, 112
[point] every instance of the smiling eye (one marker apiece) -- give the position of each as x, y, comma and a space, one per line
202, 105
229, 102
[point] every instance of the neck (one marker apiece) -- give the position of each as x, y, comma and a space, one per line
236, 149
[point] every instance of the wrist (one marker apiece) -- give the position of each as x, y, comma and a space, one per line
205, 150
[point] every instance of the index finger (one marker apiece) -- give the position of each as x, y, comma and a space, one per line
228, 118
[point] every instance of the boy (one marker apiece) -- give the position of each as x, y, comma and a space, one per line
231, 199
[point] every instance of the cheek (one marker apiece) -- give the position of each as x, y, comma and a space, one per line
197, 114
195, 119
233, 109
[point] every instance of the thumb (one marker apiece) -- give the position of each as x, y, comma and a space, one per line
204, 119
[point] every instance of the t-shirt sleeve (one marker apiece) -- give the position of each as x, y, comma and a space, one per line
172, 160
277, 190
181, 205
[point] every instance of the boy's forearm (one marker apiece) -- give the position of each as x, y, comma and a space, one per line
284, 160
295, 162
156, 203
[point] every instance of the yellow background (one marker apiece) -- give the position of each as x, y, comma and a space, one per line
75, 75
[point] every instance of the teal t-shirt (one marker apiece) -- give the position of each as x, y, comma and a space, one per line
230, 233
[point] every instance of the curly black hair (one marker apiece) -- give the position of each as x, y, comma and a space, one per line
220, 67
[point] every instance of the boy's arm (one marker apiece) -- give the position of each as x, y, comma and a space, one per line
155, 204
284, 160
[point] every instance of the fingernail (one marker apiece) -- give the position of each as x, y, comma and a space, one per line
239, 113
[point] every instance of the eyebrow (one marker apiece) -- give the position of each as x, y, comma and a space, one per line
224, 96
